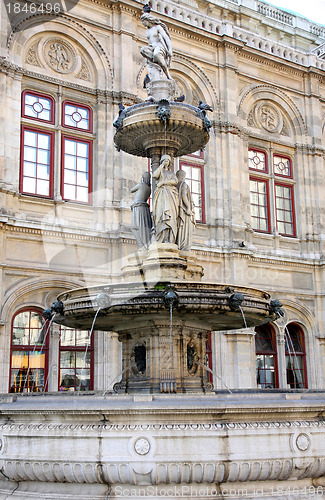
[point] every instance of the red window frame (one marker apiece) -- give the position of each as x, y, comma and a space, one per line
78, 105
290, 166
189, 182
90, 144
266, 182
51, 166
37, 94
293, 354
266, 171
267, 332
292, 211
89, 348
30, 349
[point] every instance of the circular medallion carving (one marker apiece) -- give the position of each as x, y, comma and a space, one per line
142, 446
268, 117
59, 55
303, 442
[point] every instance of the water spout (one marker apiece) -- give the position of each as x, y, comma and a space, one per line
208, 369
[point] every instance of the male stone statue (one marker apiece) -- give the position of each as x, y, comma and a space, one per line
159, 49
141, 223
165, 203
186, 216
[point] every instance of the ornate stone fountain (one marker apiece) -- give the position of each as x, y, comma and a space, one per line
166, 433
163, 312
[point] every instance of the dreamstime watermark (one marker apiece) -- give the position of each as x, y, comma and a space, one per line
42, 11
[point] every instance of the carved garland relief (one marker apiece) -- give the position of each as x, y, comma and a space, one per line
60, 56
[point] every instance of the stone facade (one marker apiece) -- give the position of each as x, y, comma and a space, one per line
263, 72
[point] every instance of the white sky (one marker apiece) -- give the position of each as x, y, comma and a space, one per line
312, 9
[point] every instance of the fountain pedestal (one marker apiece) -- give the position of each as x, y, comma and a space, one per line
164, 357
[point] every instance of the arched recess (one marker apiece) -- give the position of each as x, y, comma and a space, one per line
82, 45
191, 80
282, 104
34, 293
299, 314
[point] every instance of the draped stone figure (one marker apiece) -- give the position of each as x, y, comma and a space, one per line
159, 49
186, 216
141, 223
165, 203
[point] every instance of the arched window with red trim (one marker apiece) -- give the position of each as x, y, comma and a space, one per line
266, 357
295, 355
29, 352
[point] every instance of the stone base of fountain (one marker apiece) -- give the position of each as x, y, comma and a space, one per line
250, 444
163, 261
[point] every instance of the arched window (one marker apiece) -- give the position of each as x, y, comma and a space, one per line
266, 357
29, 352
295, 357
76, 360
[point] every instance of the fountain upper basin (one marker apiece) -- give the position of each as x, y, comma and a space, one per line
143, 131
205, 306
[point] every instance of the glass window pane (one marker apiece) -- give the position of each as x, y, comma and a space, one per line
82, 149
70, 162
29, 169
69, 109
29, 154
82, 179
67, 359
69, 121
67, 379
29, 185
70, 176
67, 336
84, 113
82, 164
83, 124
43, 141
83, 380
29, 111
43, 172
43, 156
70, 147
82, 337
69, 192
82, 194
30, 99
43, 188
30, 138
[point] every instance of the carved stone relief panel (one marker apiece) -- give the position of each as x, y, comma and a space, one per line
268, 117
59, 56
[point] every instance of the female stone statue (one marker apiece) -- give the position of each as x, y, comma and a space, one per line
141, 223
165, 203
159, 50
186, 216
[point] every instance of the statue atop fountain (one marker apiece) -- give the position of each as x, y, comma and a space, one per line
159, 50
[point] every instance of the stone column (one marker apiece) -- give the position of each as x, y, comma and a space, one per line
155, 155
54, 359
241, 359
282, 374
